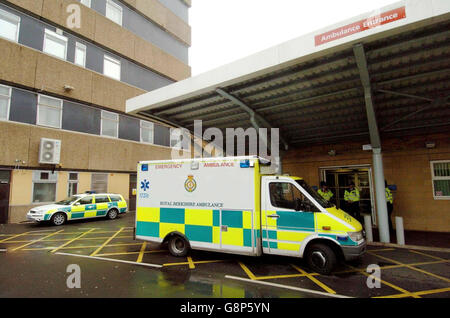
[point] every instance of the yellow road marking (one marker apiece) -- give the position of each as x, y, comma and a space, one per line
322, 285
420, 293
129, 253
432, 256
191, 264
382, 250
413, 268
404, 291
35, 241
141, 253
62, 240
106, 242
196, 262
79, 247
72, 240
13, 236
247, 271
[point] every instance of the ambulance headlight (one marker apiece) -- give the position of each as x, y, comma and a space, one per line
355, 236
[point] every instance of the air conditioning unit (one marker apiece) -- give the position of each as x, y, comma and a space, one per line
50, 151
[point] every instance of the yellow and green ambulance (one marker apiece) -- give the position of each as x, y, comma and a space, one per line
80, 206
231, 205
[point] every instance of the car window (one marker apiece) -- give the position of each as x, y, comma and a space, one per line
115, 198
286, 196
86, 200
101, 199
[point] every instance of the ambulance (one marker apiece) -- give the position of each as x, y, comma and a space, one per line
233, 205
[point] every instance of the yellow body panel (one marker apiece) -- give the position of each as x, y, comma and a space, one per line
288, 246
247, 219
90, 214
233, 236
335, 225
216, 235
102, 206
199, 217
148, 215
292, 236
166, 228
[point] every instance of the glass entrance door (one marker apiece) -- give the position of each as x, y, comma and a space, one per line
338, 180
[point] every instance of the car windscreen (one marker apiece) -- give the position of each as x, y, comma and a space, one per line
324, 203
68, 201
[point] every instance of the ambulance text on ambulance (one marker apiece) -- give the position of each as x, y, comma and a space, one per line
360, 26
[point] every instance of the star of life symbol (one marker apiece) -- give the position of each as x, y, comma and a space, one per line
145, 185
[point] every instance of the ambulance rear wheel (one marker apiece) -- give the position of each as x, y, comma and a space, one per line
178, 246
321, 258
112, 214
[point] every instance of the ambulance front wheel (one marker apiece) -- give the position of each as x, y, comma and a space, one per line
58, 219
178, 246
321, 258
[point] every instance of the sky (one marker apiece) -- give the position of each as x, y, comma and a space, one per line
227, 30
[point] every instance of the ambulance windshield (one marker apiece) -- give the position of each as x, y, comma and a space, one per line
324, 203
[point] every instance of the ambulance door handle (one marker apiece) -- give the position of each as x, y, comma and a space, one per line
275, 216
224, 228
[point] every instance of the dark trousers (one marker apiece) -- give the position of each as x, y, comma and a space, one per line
353, 210
390, 208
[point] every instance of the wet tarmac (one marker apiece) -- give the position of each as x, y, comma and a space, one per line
35, 259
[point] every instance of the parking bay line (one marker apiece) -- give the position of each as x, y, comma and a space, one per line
286, 287
106, 242
141, 253
315, 280
411, 267
109, 259
35, 241
73, 240
420, 293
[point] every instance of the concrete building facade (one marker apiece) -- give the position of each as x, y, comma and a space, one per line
67, 68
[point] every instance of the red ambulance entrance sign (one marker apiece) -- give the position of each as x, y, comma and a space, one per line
360, 26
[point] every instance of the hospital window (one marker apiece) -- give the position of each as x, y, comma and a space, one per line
87, 3
99, 182
80, 54
114, 12
440, 172
9, 26
44, 186
55, 44
110, 124
49, 111
111, 67
73, 184
5, 102
146, 132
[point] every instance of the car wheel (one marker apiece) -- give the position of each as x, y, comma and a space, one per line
178, 246
58, 219
112, 214
321, 258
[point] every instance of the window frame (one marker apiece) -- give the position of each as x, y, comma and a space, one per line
49, 106
79, 45
434, 178
112, 60
114, 6
70, 181
8, 105
152, 141
88, 3
51, 34
11, 18
103, 118
53, 179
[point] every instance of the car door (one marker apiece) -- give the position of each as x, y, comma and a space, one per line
288, 217
83, 208
101, 203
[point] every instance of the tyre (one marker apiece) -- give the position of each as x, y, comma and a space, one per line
112, 214
178, 246
321, 258
58, 219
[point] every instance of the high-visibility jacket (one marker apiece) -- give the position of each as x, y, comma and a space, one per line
326, 195
389, 197
352, 196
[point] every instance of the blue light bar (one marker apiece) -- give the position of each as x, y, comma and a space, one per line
245, 163
144, 167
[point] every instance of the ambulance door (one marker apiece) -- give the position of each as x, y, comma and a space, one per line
287, 217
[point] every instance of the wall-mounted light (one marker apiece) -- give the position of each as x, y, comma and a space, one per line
332, 153
430, 144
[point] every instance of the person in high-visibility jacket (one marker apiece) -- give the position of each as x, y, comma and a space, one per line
351, 196
390, 204
325, 192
